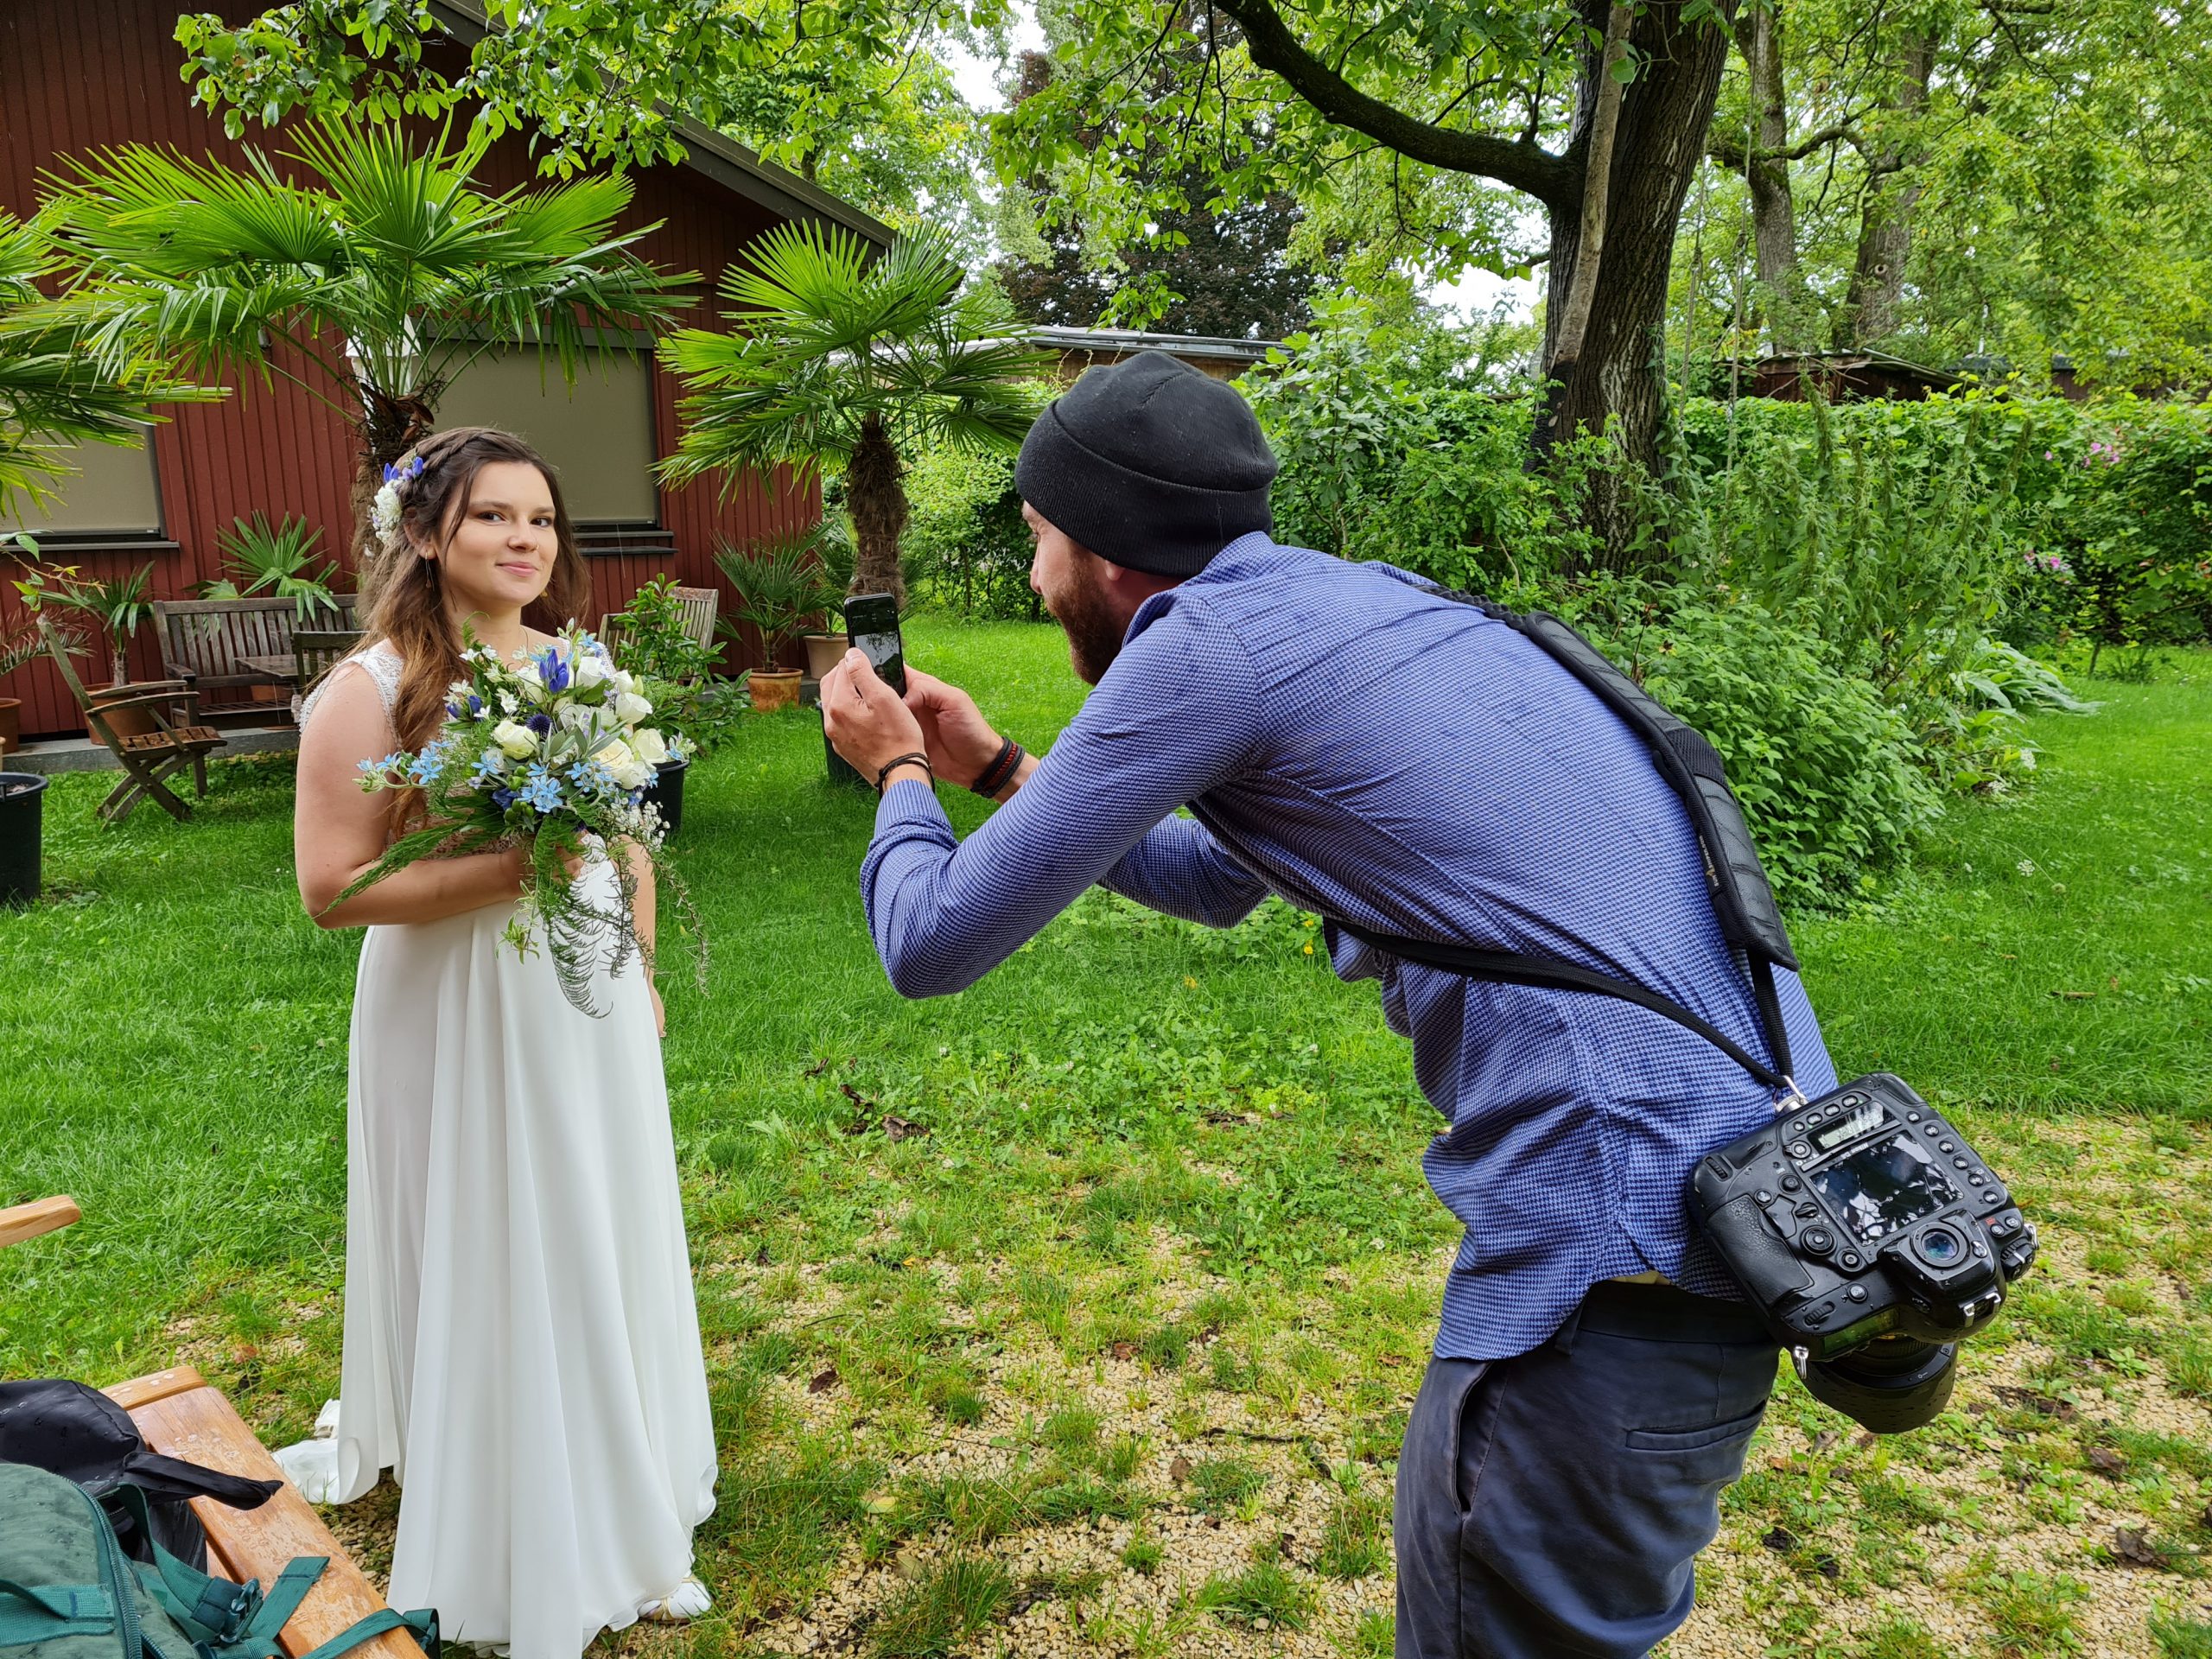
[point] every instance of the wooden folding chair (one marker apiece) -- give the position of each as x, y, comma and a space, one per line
700, 605
178, 739
180, 1416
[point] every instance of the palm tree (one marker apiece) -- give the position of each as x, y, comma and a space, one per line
834, 357
52, 394
373, 289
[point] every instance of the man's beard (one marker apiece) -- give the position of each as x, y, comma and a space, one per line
1093, 637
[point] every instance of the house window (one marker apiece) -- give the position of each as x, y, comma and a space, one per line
598, 434
111, 492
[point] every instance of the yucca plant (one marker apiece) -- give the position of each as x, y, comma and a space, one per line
837, 359
372, 285
274, 558
114, 606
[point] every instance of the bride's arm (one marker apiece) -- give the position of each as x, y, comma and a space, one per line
339, 831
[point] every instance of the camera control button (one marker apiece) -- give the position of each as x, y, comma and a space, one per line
1912, 1117
1790, 1183
1818, 1240
1817, 1317
1764, 1195
1946, 1146
1801, 1150
1958, 1163
1857, 1293
1849, 1258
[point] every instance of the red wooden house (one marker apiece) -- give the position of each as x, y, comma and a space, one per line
77, 75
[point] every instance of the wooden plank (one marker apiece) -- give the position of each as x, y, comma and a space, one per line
200, 1427
39, 1215
144, 1390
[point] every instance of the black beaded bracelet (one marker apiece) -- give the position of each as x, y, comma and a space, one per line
916, 759
999, 772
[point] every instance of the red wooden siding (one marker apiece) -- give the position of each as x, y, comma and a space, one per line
77, 75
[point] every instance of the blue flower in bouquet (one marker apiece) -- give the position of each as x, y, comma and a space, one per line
542, 790
422, 769
552, 670
492, 763
373, 770
503, 799
593, 778
468, 707
541, 724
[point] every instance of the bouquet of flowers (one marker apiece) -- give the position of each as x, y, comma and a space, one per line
552, 752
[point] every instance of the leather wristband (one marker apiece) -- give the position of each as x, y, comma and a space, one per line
994, 777
916, 759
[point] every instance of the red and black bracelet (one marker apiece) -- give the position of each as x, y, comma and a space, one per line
996, 776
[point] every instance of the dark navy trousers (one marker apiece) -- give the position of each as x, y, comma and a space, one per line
1554, 1503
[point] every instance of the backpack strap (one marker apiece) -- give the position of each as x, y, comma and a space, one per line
1512, 968
422, 1625
45, 1612
1743, 899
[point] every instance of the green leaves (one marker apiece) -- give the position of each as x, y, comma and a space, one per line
389, 247
823, 342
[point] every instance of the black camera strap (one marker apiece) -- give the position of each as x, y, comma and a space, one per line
1743, 899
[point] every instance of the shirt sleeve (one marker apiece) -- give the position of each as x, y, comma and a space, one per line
1176, 715
1180, 869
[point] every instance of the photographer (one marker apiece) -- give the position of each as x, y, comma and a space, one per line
1346, 737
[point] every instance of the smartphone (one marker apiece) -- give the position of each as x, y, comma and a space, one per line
872, 619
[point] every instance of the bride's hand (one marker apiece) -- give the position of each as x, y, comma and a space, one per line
660, 1013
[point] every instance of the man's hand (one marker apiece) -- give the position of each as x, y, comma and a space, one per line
866, 723
960, 741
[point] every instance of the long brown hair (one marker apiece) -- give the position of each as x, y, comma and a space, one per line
403, 593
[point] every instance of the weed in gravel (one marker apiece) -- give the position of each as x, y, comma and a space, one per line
950, 1602
1374, 1634
2181, 1638
1266, 1595
1143, 1554
1356, 1540
1898, 1639
1222, 1483
2031, 1611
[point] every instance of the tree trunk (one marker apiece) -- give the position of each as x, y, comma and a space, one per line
389, 428
1766, 169
1618, 381
1870, 308
875, 495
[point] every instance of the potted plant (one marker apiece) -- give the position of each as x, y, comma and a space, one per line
647, 637
114, 606
22, 794
781, 587
834, 543
275, 559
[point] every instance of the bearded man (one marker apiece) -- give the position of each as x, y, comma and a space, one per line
1348, 737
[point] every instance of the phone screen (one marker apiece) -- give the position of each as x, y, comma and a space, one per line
873, 621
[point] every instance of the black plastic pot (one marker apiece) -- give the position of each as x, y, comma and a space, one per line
22, 816
840, 773
666, 792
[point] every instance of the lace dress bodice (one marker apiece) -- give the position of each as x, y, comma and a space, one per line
380, 662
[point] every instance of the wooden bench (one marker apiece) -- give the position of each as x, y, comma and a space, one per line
181, 1416
205, 641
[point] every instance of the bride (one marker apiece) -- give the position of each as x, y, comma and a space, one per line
522, 1348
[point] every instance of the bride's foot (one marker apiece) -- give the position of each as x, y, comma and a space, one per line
688, 1600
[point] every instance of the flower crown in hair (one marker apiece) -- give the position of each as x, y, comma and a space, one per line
383, 512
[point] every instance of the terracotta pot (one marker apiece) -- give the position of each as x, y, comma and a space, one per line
824, 651
11, 724
128, 722
775, 688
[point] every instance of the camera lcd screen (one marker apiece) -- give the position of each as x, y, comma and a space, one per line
1829, 1137
1881, 1187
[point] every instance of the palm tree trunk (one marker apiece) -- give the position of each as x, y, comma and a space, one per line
389, 428
875, 494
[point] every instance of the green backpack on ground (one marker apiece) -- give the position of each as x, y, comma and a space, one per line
68, 1591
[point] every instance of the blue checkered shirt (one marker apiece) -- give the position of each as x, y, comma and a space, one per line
1347, 737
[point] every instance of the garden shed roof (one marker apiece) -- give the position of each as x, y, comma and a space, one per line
719, 157
1080, 348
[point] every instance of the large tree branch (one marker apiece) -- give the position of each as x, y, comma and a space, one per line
1728, 150
1526, 167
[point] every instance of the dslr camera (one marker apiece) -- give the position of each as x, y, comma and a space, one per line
1871, 1238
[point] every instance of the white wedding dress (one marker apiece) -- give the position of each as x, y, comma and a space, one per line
522, 1347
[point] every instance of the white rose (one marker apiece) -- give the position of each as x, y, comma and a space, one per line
527, 673
630, 708
629, 771
647, 743
518, 741
623, 681
590, 670
575, 717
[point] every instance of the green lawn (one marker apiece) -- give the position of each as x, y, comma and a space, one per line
1119, 1349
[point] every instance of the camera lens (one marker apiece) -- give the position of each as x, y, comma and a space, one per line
1939, 1247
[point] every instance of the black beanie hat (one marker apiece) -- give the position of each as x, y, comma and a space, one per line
1149, 464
